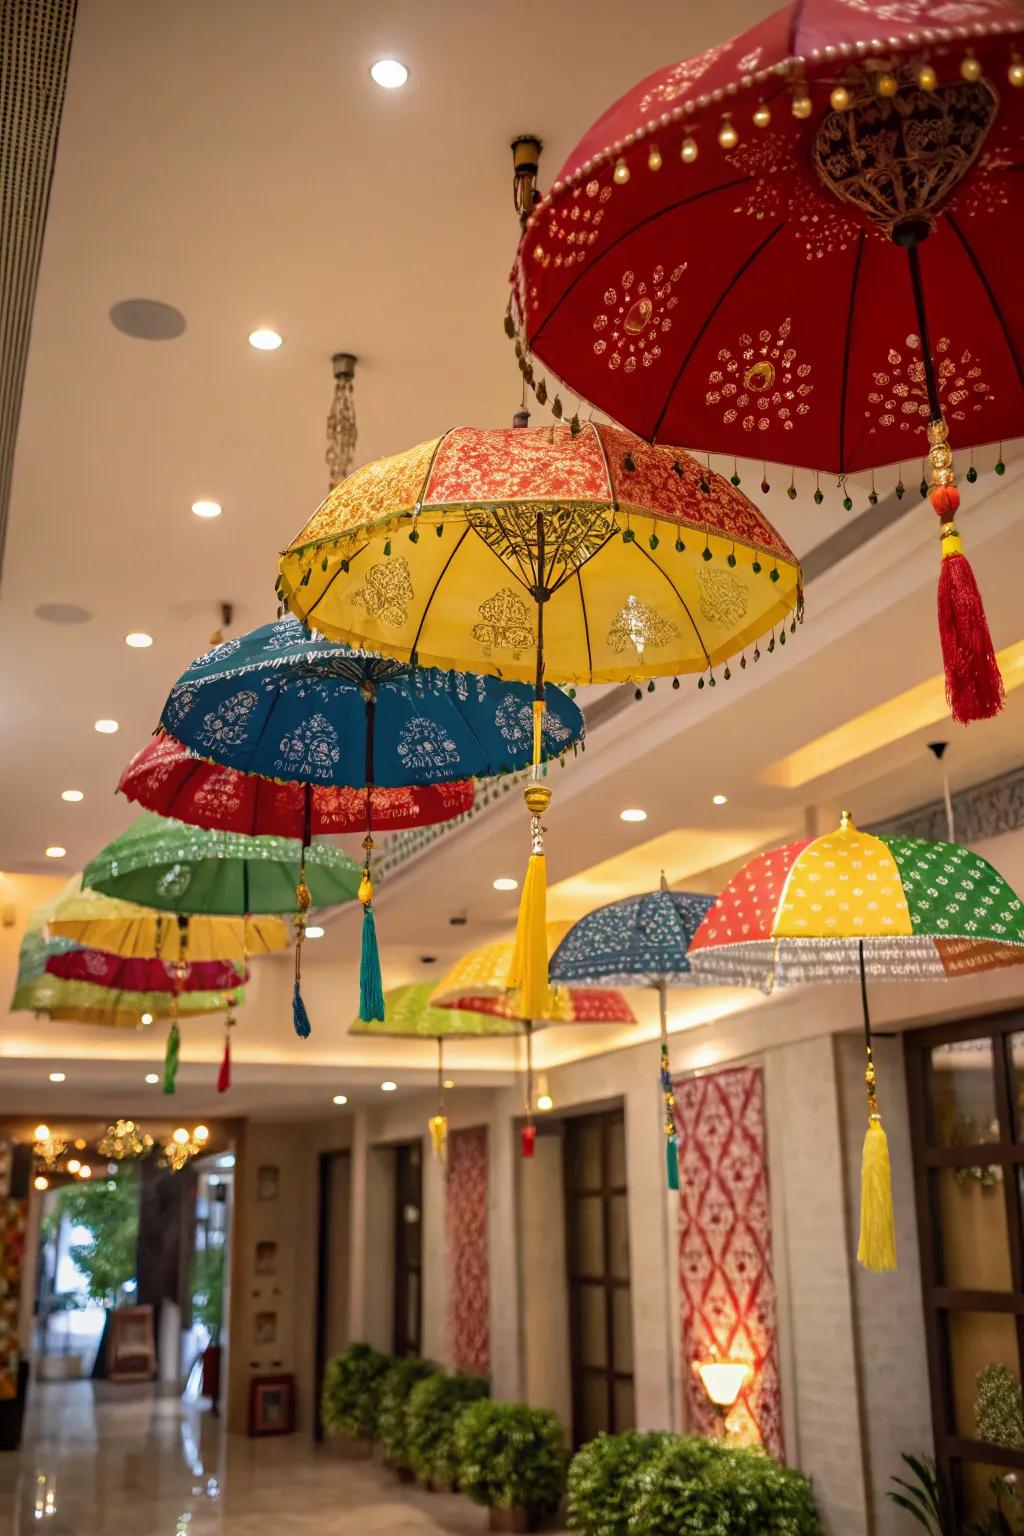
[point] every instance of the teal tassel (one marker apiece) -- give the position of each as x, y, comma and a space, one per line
300, 1018
171, 1058
672, 1162
371, 987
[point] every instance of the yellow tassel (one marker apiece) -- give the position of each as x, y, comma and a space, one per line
438, 1125
877, 1247
529, 970
538, 729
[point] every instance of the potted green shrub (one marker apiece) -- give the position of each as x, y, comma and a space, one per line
603, 1481
512, 1459
430, 1424
733, 1491
349, 1401
396, 1385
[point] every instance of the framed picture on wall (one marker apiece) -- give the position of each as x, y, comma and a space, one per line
271, 1405
267, 1180
266, 1258
265, 1328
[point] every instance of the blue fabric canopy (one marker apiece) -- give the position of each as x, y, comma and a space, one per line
636, 942
287, 704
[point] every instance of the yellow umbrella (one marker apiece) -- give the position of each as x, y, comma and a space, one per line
582, 555
122, 928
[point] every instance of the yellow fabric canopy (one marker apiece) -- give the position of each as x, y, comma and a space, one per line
121, 928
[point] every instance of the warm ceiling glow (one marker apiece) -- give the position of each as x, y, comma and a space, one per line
265, 340
545, 1102
138, 639
147, 1018
719, 799
106, 727
899, 717
73, 1165
201, 1133
389, 73
41, 1182
207, 508
72, 796
152, 1077
388, 1087
633, 814
340, 1098
41, 1133
57, 1077
505, 883
55, 851
314, 931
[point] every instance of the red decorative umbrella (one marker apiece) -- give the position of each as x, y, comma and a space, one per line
797, 246
135, 975
164, 777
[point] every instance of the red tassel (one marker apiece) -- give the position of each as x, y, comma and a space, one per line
974, 684
528, 1139
224, 1075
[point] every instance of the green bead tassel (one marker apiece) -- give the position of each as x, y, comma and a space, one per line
672, 1162
371, 988
171, 1058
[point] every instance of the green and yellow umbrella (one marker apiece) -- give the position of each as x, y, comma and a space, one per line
126, 928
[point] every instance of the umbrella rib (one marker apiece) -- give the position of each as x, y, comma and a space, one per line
975, 263
586, 626
333, 579
700, 639
575, 569
529, 578
441, 574
684, 202
730, 285
846, 351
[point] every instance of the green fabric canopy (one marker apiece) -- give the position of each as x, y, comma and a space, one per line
408, 1014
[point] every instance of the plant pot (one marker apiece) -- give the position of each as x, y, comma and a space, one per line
517, 1518
351, 1447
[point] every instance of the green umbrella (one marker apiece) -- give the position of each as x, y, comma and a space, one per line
410, 1015
166, 864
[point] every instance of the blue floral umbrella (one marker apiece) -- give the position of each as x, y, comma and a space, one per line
287, 704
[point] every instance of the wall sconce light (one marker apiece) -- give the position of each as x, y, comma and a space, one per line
722, 1381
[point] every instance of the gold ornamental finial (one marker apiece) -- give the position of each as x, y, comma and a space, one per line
846, 822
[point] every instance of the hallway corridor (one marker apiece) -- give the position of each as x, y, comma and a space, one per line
99, 1460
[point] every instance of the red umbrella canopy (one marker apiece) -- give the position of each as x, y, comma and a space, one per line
165, 777
131, 974
722, 261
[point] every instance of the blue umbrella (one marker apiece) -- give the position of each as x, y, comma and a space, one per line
287, 704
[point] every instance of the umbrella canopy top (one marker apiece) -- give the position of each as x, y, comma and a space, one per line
184, 869
638, 941
166, 778
801, 913
124, 928
410, 1014
479, 981
643, 561
84, 1002
290, 705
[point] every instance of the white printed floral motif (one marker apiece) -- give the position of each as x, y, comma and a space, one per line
310, 750
228, 724
424, 743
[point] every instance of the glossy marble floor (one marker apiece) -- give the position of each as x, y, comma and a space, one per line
100, 1460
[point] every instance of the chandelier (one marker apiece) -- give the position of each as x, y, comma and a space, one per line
124, 1139
184, 1145
341, 420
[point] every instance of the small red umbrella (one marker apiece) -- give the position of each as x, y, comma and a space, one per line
800, 246
165, 777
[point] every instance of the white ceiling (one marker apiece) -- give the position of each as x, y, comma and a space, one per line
236, 161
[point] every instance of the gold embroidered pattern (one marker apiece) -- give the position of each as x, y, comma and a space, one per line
505, 625
678, 81
901, 394
635, 317
724, 599
773, 192
763, 381
639, 625
388, 591
573, 227
571, 536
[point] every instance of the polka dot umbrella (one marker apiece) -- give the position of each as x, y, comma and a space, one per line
848, 906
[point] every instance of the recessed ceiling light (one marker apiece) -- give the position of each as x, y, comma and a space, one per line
207, 508
340, 1098
265, 340
388, 1087
633, 814
505, 883
152, 1077
390, 73
138, 640
106, 727
314, 931
147, 1018
57, 1077
41, 1133
719, 799
72, 796
449, 1082
545, 1102
55, 851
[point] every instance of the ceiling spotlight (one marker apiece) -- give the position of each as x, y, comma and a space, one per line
449, 1082
72, 796
73, 1165
106, 727
152, 1077
41, 1133
58, 1077
388, 1087
55, 851
41, 1182
314, 931
506, 883
207, 508
340, 1098
138, 640
389, 73
719, 799
633, 814
545, 1102
265, 340
147, 1018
